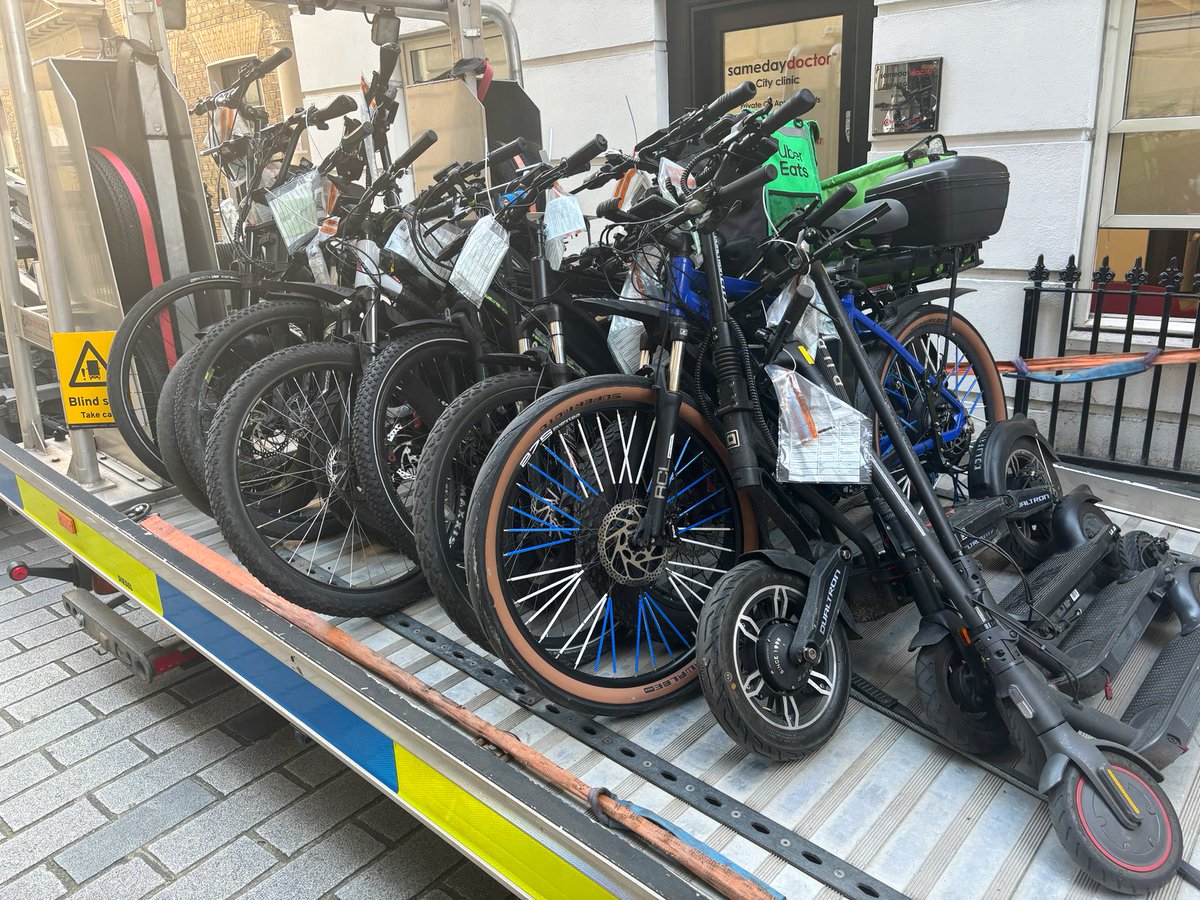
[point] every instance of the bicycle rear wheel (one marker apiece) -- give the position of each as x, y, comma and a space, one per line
209, 370
941, 424
152, 338
279, 454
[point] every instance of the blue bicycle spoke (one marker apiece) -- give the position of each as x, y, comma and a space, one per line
702, 521
542, 530
698, 503
654, 606
604, 628
542, 499
532, 517
690, 486
587, 485
550, 477
539, 546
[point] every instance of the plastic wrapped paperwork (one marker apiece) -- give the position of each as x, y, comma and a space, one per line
296, 209
624, 334
822, 439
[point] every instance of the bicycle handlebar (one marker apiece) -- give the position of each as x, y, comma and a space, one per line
758, 178
791, 108
581, 159
729, 101
268, 65
341, 105
415, 149
832, 204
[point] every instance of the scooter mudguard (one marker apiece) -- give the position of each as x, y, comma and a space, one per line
933, 628
1181, 594
1078, 519
986, 476
1055, 769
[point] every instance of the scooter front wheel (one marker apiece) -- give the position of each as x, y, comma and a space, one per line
764, 701
1131, 861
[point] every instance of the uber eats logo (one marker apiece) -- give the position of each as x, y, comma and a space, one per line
792, 162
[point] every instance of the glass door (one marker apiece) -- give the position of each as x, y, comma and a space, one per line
783, 47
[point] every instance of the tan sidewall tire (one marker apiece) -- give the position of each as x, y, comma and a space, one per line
496, 608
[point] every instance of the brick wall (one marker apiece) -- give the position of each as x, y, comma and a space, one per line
218, 30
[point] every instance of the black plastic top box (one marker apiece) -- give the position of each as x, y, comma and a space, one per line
955, 200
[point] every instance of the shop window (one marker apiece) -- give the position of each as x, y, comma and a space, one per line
428, 56
1149, 204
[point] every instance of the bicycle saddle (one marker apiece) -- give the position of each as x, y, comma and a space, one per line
893, 220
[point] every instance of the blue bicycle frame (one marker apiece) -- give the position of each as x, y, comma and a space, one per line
689, 287
864, 324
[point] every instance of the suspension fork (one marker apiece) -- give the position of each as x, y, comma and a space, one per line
540, 278
667, 403
962, 579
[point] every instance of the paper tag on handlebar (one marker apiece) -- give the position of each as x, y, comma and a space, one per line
401, 244
822, 439
294, 207
480, 260
563, 217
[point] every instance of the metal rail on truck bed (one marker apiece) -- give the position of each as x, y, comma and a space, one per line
879, 799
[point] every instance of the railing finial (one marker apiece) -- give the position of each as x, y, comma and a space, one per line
1070, 272
1171, 277
1137, 275
1104, 274
1039, 272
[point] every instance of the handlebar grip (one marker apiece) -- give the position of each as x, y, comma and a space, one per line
505, 152
758, 178
730, 100
791, 108
439, 211
608, 207
415, 149
389, 55
436, 212
581, 159
272, 62
341, 105
832, 204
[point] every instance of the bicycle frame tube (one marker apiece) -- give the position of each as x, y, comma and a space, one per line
864, 323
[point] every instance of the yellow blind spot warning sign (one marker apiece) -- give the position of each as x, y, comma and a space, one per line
90, 369
82, 361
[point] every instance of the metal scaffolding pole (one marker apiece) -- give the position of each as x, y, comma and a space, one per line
52, 276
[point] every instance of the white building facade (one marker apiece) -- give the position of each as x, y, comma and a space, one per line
1093, 105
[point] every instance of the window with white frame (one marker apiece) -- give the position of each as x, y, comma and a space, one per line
427, 56
1150, 199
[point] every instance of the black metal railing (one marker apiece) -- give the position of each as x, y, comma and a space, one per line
1116, 312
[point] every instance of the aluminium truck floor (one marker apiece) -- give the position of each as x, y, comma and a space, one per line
880, 796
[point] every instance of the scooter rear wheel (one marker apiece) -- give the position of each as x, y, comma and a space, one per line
1131, 861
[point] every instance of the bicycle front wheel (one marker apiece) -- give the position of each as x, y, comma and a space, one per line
570, 599
279, 454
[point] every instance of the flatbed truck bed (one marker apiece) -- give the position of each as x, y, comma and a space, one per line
880, 811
